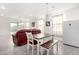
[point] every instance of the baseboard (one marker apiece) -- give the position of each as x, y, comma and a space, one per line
70, 45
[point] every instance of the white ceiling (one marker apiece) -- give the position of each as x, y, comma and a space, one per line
31, 9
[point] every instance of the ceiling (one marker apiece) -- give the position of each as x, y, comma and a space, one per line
31, 9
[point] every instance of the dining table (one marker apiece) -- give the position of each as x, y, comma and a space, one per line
42, 37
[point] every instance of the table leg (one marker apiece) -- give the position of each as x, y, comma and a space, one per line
41, 51
38, 47
57, 47
32, 49
47, 52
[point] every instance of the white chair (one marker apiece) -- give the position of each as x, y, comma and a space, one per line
48, 45
30, 41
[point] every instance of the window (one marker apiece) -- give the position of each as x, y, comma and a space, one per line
57, 24
16, 26
13, 27
27, 25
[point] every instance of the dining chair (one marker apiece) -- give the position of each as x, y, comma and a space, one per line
48, 45
30, 42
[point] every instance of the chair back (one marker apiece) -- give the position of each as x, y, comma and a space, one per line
29, 36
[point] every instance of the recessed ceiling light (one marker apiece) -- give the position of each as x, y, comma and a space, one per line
53, 6
3, 7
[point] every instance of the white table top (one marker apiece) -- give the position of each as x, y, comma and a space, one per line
39, 37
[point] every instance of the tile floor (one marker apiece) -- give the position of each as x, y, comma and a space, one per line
22, 50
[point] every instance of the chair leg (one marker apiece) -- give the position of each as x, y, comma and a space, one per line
52, 51
27, 47
41, 50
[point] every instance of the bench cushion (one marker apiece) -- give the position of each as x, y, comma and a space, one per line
49, 44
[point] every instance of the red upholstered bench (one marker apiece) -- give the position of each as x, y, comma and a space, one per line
20, 38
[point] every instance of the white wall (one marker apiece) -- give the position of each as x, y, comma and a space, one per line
49, 29
71, 33
4, 26
5, 40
